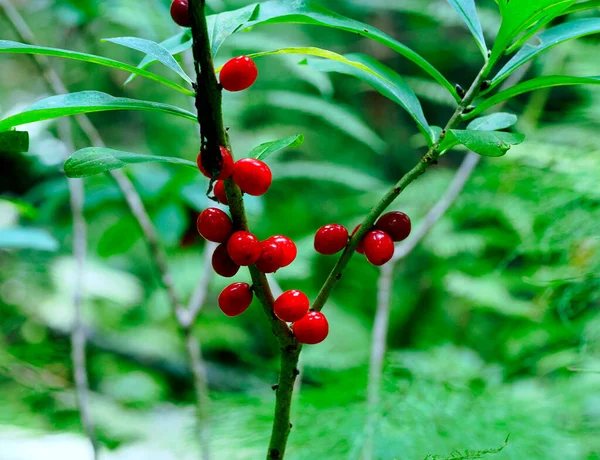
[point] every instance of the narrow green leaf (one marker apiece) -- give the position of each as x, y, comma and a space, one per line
309, 12
7, 46
582, 6
24, 208
27, 238
485, 143
95, 160
174, 45
87, 102
336, 115
468, 12
531, 85
547, 40
319, 52
222, 25
520, 15
14, 141
264, 150
384, 80
493, 122
157, 51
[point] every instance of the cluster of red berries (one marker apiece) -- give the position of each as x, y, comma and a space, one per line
377, 245
242, 248
238, 73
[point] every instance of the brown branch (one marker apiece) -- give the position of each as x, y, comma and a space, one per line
157, 253
214, 135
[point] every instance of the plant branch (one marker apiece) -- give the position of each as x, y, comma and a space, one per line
213, 136
384, 283
428, 159
158, 256
77, 197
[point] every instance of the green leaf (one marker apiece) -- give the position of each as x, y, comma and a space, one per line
519, 16
27, 238
388, 83
7, 46
157, 51
222, 25
264, 150
14, 141
174, 45
547, 40
531, 85
582, 6
336, 115
309, 12
24, 208
312, 51
95, 160
485, 143
87, 102
468, 12
493, 122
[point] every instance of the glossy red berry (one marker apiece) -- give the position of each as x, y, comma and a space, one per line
396, 224
331, 238
235, 299
222, 263
238, 74
289, 249
244, 248
226, 166
379, 247
270, 258
214, 225
311, 329
291, 306
180, 14
220, 192
252, 176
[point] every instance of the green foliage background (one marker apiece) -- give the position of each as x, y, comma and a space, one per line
494, 329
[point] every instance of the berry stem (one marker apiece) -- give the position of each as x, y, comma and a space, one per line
428, 159
214, 135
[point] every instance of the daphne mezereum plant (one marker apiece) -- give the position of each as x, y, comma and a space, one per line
524, 33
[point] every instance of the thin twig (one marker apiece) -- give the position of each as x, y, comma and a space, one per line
77, 197
140, 213
384, 283
428, 159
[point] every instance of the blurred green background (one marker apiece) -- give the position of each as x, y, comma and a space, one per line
494, 326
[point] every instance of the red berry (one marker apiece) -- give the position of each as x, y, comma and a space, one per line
238, 74
235, 299
252, 176
289, 249
291, 306
214, 225
244, 248
220, 192
222, 263
270, 258
379, 247
180, 14
396, 224
331, 238
311, 329
226, 166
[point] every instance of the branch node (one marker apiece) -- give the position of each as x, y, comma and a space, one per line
274, 387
